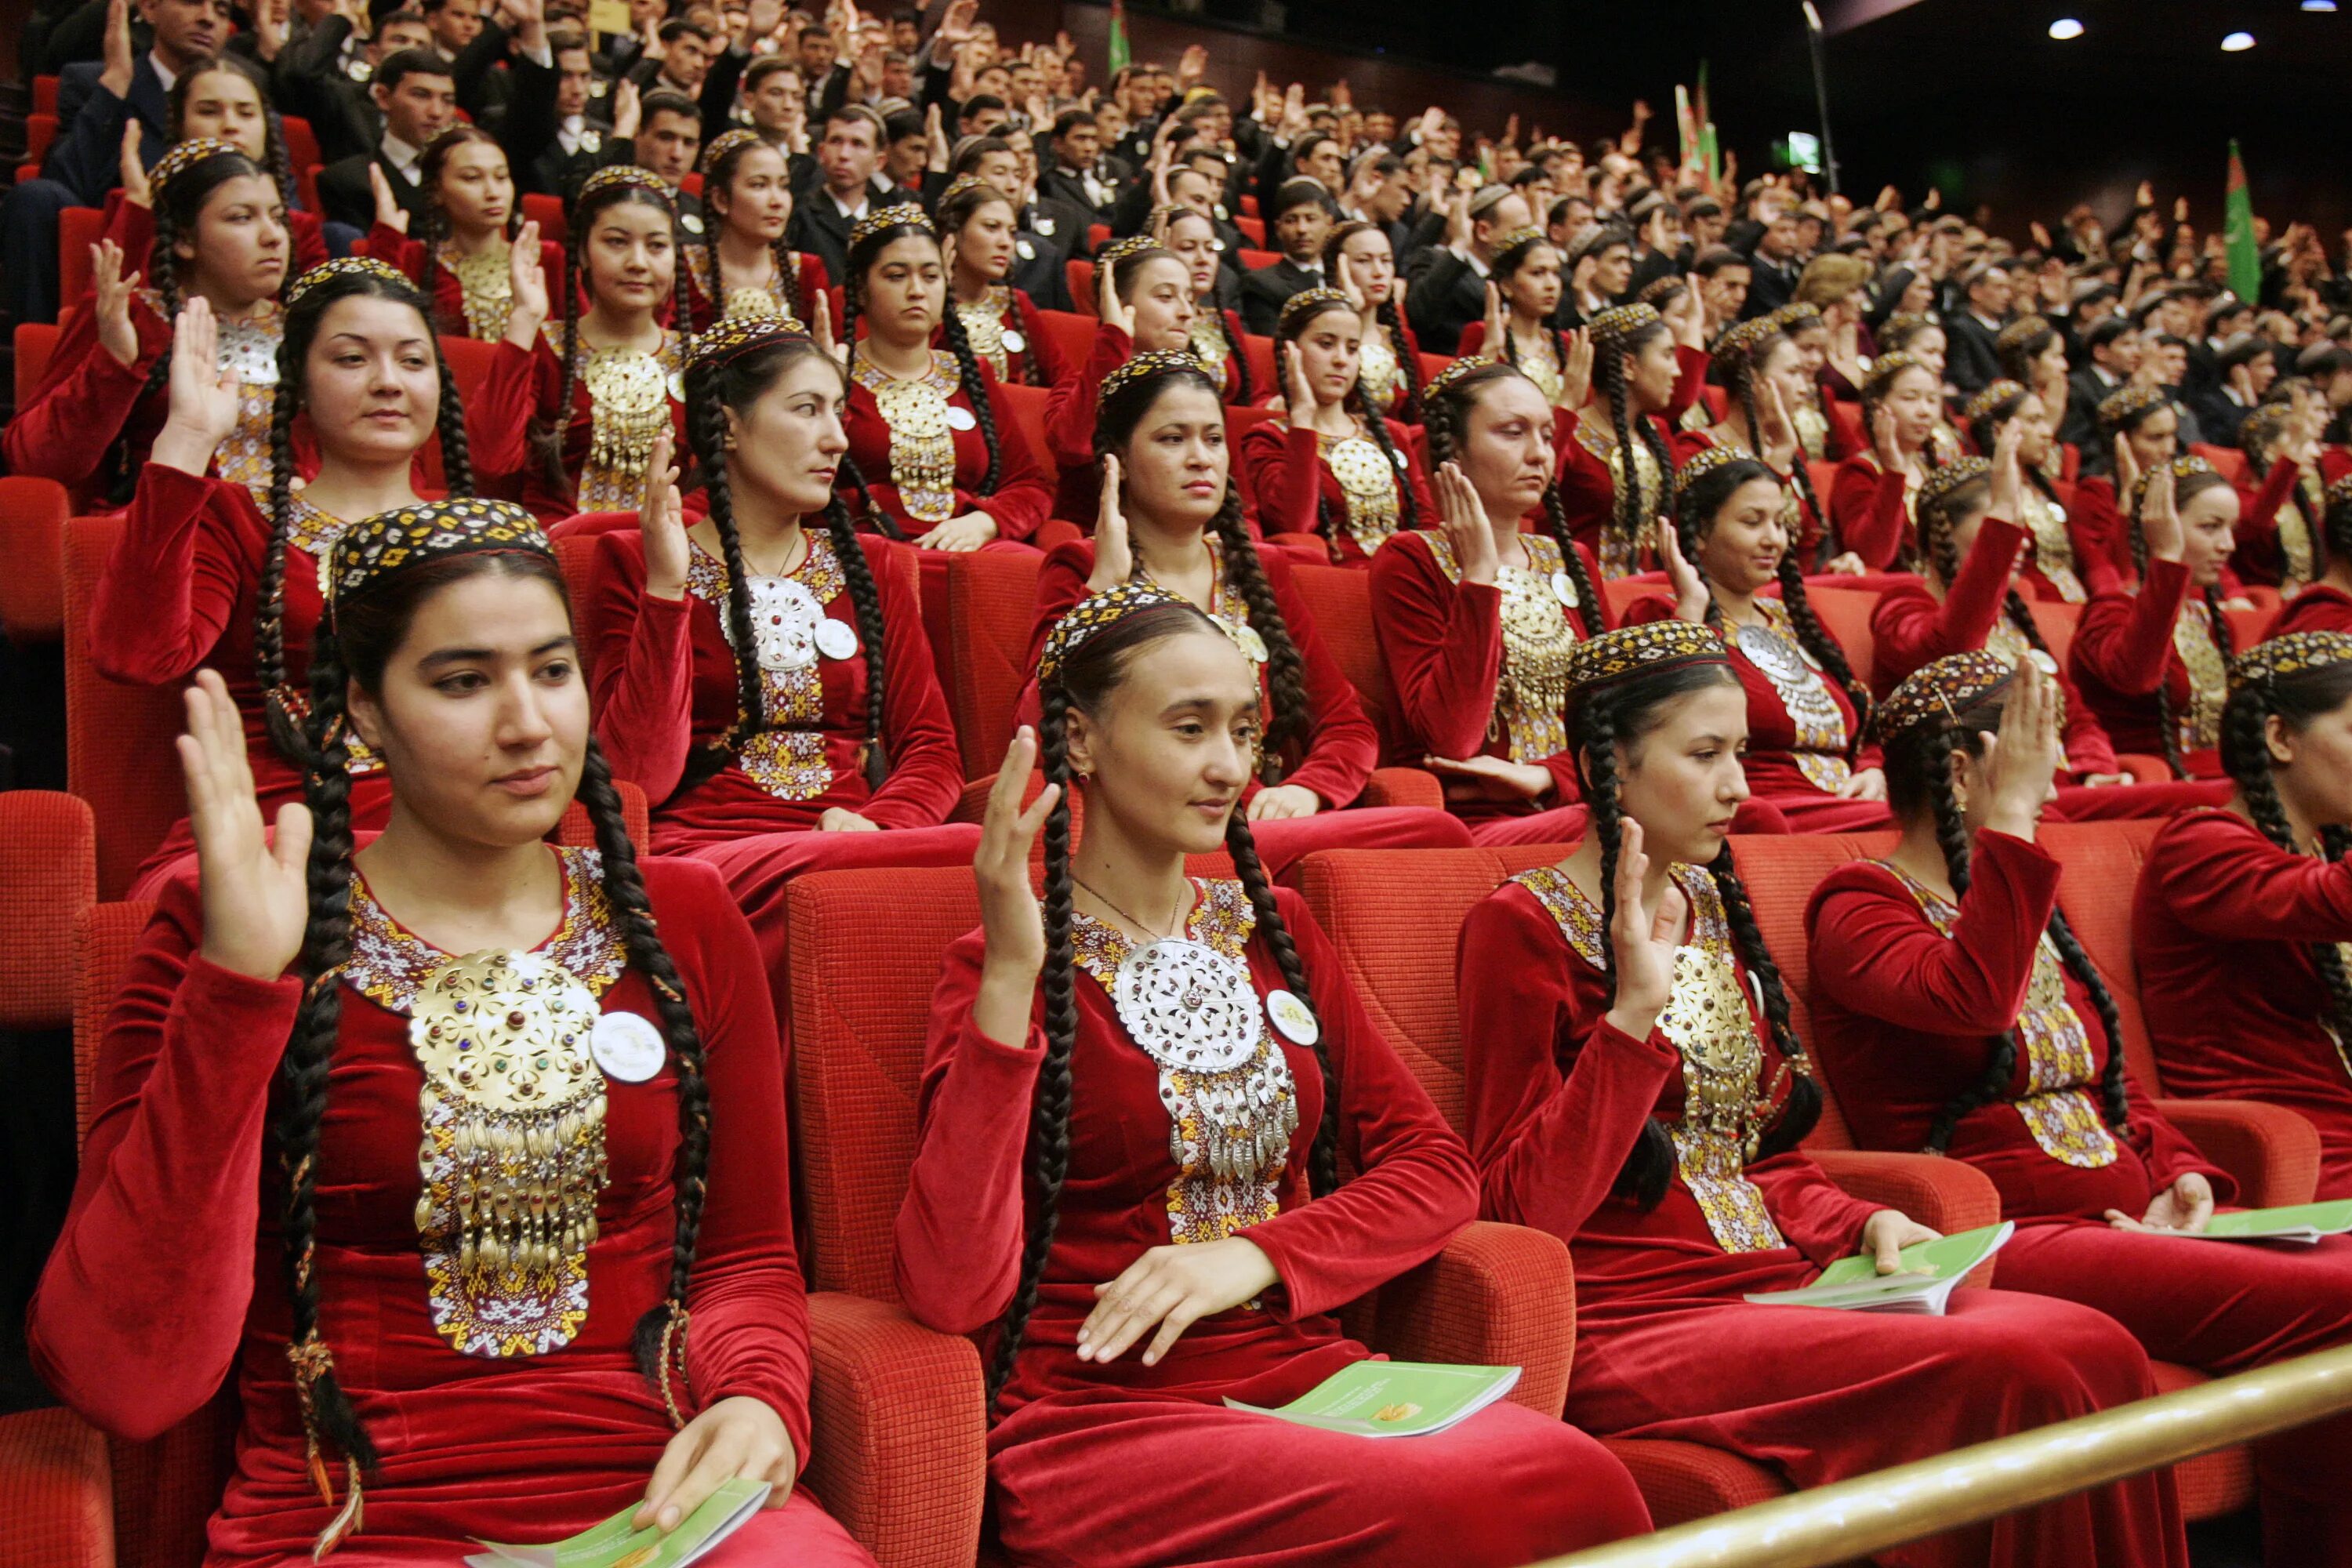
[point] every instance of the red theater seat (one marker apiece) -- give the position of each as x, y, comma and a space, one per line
32, 546
991, 604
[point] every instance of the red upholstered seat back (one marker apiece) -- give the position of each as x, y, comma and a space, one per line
2056, 621
1027, 404
1340, 600
48, 878
1621, 594
1844, 613
1780, 872
991, 604
469, 362
863, 957
1258, 353
79, 228
32, 542
1072, 333
36, 342
547, 211
118, 754
1080, 276
2102, 861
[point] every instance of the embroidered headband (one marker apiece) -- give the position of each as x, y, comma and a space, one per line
617, 175
346, 267
1903, 322
2266, 424
1629, 651
1705, 461
1121, 251
1514, 239
1883, 373
1150, 363
1591, 240
1742, 337
182, 157
1455, 372
1612, 326
1083, 619
1995, 393
906, 215
1940, 692
730, 142
740, 335
2340, 493
1946, 481
1305, 303
412, 535
2015, 334
2296, 653
2125, 403
1789, 317
963, 183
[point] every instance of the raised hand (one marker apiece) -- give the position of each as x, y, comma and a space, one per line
1686, 316
116, 332
114, 75
135, 188
2006, 502
2159, 519
389, 214
661, 523
1690, 589
1466, 526
1344, 273
1643, 934
528, 281
1498, 323
1299, 392
1458, 221
255, 890
204, 398
1190, 67
1113, 311
821, 330
1778, 439
2126, 465
1114, 557
1012, 924
629, 112
2020, 762
1882, 440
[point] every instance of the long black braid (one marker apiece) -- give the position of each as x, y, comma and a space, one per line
1609, 367
1740, 375
549, 428
975, 384
1323, 1154
1446, 423
969, 374
1391, 321
2217, 618
1241, 394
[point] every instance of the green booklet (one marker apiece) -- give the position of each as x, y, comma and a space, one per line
1931, 1271
1395, 1398
2306, 1223
613, 1544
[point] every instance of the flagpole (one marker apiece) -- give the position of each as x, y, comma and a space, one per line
1821, 92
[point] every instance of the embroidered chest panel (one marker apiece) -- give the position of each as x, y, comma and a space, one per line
783, 749
1539, 635
1621, 552
922, 434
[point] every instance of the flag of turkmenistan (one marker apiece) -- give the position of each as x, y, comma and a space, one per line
2238, 234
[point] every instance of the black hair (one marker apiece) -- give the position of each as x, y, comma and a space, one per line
1740, 373
2218, 618
1621, 713
736, 385
1505, 266
1225, 323
402, 63
862, 256
717, 179
1085, 682
2017, 355
1446, 422
1385, 317
274, 160
1918, 763
548, 430
954, 212
436, 215
1288, 330
667, 100
1609, 374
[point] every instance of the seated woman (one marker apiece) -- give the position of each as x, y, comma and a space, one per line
2062, 567
1955, 1012
464, 261
2139, 432
570, 426
2326, 604
1763, 375
1145, 1204
616, 1319
1143, 295
1329, 471
744, 266
2033, 353
1361, 263
1616, 470
2280, 502
1188, 234
1523, 289
933, 449
1171, 515
1633, 1086
2153, 664
977, 224
763, 675
2241, 911
1478, 616
204, 576
1872, 500
1806, 707
220, 237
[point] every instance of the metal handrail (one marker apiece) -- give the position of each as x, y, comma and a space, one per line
1853, 1518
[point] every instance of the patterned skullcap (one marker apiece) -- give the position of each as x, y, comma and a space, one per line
2340, 493
1087, 616
1705, 461
2188, 466
1150, 363
1794, 314
1613, 326
1658, 290
616, 175
906, 215
2018, 331
1995, 393
740, 334
1306, 301
1122, 250
1946, 481
1883, 371
730, 142
345, 267
2294, 654
1903, 322
2264, 424
410, 535
1456, 370
1938, 692
1591, 240
182, 157
2125, 403
1629, 651
1742, 337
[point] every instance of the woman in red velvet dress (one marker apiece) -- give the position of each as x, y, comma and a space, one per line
2153, 664
1806, 707
298, 1007
743, 267
1169, 514
1143, 295
1143, 1206
1476, 618
977, 224
1763, 376
763, 675
1327, 470
2325, 606
2241, 911
1646, 370
1188, 235
1955, 1011
1361, 264
569, 425
220, 237
204, 576
464, 261
1523, 291
2280, 499
2065, 565
2139, 431
1871, 499
1660, 1138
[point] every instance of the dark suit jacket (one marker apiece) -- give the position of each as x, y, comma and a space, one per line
1063, 223
1971, 360
1067, 185
311, 79
1266, 289
1442, 295
344, 195
2085, 392
818, 228
87, 156
1772, 286
2218, 418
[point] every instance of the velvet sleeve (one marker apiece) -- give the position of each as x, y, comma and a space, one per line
394, 248
1024, 494
87, 155
1411, 446
926, 771
1690, 374
1549, 1144
1341, 747
644, 661
1043, 348
139, 1312
499, 416
1814, 1215
2223, 878
1414, 1187
958, 1240
1866, 504
1443, 644
172, 581
2098, 530
1070, 405
2258, 505
2165, 1150
2125, 643
1285, 474
85, 398
1974, 601
1472, 341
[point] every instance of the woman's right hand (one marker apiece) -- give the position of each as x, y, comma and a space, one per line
1114, 558
1109, 308
389, 213
136, 190
2006, 499
255, 890
1299, 392
116, 332
1498, 324
1012, 922
2159, 519
1576, 376
1466, 526
661, 523
2022, 759
1643, 936
203, 397
529, 284
1883, 440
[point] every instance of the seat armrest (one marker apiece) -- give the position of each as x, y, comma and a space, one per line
1499, 1295
899, 1451
2271, 1151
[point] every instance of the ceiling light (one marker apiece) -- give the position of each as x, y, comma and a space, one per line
2319, 4
2238, 43
2066, 28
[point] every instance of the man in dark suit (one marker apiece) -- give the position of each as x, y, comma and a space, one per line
1447, 289
2112, 351
320, 79
1773, 266
1076, 175
1972, 335
2248, 365
1298, 224
848, 157
419, 99
555, 139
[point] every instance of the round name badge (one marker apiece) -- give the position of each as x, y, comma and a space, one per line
1293, 1018
1046, 226
835, 639
1252, 645
1028, 251
692, 222
627, 1047
962, 419
1015, 341
677, 387
1563, 588
1398, 459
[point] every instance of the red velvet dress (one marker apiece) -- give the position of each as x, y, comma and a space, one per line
451, 318
1872, 509
1070, 428
1584, 441
1667, 1347
1120, 1464
1805, 523
1038, 361
2275, 536
2320, 608
1343, 492
2220, 928
2063, 566
801, 298
521, 390
2100, 530
1454, 690
1023, 494
168, 1279
181, 592
667, 694
1391, 365
1341, 746
1804, 739
2128, 643
1906, 1010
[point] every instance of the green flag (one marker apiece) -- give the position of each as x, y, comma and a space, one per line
1707, 145
2237, 232
1119, 51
